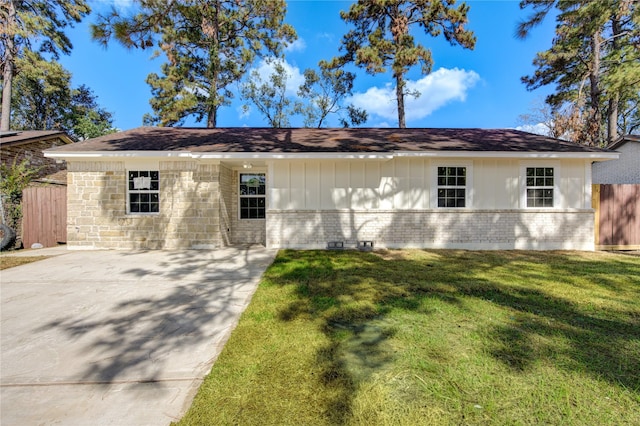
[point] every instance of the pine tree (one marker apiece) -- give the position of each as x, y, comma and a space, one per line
594, 62
33, 26
208, 44
382, 37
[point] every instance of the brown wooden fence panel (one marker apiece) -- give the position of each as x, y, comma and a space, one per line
618, 216
44, 212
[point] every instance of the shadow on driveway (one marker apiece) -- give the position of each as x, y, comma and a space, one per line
100, 320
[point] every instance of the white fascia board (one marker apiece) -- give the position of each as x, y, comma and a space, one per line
92, 155
293, 155
600, 156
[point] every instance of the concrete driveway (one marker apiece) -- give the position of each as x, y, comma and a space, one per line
117, 338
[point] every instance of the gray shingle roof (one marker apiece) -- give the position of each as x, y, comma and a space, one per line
355, 140
25, 136
622, 140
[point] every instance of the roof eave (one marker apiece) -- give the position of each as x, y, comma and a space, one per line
622, 140
94, 155
591, 155
294, 155
59, 135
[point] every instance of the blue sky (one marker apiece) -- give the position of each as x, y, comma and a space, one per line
467, 88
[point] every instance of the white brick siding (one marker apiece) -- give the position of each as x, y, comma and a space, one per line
463, 229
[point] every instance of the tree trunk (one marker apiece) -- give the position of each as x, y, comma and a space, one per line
7, 77
612, 113
400, 99
595, 121
212, 118
214, 57
612, 119
7, 80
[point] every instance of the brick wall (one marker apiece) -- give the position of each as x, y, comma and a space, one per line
32, 151
226, 203
243, 231
480, 229
189, 208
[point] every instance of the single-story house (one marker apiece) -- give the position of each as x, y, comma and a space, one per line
624, 170
163, 188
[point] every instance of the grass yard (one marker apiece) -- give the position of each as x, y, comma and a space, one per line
415, 337
8, 261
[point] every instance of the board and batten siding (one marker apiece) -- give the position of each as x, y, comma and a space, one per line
407, 183
393, 203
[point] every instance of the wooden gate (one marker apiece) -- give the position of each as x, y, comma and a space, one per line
44, 219
617, 224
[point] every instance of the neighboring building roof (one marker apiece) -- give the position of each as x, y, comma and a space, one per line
17, 137
312, 141
57, 178
622, 140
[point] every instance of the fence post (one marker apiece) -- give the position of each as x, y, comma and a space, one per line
595, 204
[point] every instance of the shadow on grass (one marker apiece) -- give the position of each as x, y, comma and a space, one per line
351, 293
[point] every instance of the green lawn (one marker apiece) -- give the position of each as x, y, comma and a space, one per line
433, 337
8, 261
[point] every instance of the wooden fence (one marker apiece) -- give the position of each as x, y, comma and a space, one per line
617, 224
44, 219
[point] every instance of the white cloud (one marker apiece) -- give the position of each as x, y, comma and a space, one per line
265, 68
382, 125
294, 77
119, 5
436, 90
298, 45
327, 36
379, 101
243, 111
538, 129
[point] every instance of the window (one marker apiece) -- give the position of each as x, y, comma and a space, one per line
540, 183
452, 183
144, 191
252, 196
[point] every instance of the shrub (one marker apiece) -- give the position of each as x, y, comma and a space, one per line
13, 180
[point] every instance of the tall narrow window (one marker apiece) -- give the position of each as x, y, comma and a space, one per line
252, 195
452, 183
540, 182
144, 191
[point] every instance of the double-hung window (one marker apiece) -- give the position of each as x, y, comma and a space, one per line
252, 195
452, 186
144, 191
540, 182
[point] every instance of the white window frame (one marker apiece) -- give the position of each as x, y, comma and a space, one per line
241, 197
557, 196
142, 191
468, 188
